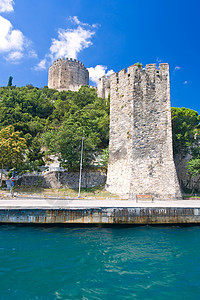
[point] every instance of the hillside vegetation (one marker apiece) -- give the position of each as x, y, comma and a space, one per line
53, 122
57, 121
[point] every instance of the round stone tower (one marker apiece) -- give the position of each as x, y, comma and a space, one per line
67, 74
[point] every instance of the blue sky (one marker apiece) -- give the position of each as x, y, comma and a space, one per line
105, 35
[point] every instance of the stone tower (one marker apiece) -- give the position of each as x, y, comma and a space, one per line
141, 156
67, 74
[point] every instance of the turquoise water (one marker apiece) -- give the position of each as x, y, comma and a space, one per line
99, 263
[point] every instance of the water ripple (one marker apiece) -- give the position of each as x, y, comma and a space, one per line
99, 263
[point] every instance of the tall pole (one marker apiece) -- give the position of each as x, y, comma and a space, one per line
58, 184
81, 163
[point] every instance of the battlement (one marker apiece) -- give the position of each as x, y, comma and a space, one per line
133, 74
149, 69
69, 61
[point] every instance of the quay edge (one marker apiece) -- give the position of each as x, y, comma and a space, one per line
108, 215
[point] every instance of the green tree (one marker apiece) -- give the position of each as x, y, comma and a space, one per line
105, 157
185, 127
80, 114
193, 167
10, 81
139, 64
186, 139
66, 143
12, 148
34, 152
59, 115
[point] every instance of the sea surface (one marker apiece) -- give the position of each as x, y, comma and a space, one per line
99, 263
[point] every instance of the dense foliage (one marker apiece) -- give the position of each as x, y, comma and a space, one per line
12, 148
185, 129
186, 139
57, 120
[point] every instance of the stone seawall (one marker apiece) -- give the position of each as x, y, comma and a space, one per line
108, 215
66, 179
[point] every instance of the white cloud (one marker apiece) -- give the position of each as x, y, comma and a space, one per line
6, 5
14, 56
185, 82
110, 72
177, 68
98, 72
32, 53
76, 21
70, 42
13, 43
42, 65
10, 39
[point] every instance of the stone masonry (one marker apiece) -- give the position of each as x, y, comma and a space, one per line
141, 155
103, 89
66, 179
67, 74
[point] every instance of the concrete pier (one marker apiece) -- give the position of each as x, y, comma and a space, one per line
99, 212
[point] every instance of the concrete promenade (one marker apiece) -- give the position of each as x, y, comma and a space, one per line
92, 203
103, 212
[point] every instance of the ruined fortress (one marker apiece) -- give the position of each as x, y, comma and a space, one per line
67, 74
140, 147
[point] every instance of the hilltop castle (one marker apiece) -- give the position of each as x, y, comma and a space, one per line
67, 74
140, 146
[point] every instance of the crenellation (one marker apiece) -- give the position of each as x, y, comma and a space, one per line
131, 70
114, 75
151, 67
122, 72
136, 72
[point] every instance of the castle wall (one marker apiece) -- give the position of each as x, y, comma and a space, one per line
67, 74
103, 87
141, 157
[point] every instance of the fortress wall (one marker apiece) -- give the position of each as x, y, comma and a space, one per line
103, 87
67, 74
120, 145
141, 157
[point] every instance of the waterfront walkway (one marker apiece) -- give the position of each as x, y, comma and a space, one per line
27, 203
92, 211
